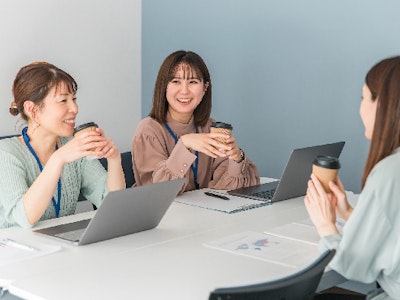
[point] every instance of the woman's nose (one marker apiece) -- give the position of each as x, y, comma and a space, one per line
73, 107
184, 87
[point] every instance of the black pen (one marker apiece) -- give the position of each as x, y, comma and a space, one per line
216, 195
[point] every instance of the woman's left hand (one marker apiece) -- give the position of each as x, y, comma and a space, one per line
235, 153
109, 150
321, 207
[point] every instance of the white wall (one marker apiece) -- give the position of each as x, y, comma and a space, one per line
97, 42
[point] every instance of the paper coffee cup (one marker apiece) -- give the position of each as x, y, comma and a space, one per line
91, 126
221, 127
326, 169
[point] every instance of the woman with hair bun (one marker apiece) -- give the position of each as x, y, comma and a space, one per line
44, 170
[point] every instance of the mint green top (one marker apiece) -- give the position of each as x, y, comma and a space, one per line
19, 169
369, 248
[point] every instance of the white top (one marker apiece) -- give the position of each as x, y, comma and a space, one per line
369, 249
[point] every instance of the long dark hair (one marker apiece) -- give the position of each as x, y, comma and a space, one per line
383, 80
166, 73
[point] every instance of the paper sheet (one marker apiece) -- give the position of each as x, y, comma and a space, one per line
297, 231
11, 254
274, 249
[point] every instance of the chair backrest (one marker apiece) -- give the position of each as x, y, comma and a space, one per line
126, 161
298, 286
8, 136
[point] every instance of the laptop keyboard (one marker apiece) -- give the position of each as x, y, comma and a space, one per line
73, 235
268, 194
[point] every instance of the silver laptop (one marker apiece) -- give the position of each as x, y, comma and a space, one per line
293, 182
121, 213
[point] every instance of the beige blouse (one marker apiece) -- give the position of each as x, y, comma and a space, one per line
157, 157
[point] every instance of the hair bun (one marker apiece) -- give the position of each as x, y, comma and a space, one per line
14, 109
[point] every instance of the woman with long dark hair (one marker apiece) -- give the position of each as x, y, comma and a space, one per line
368, 250
174, 141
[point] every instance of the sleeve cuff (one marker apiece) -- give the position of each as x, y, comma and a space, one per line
237, 168
329, 242
23, 222
180, 160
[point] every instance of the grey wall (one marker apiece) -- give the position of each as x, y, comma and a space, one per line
285, 73
97, 42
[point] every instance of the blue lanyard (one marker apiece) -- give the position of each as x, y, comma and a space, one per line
26, 140
194, 166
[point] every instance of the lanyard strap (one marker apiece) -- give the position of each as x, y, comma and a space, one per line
195, 165
55, 204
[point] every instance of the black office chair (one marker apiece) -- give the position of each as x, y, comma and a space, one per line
126, 161
8, 136
298, 286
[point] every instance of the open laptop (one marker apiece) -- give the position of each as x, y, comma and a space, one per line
121, 213
293, 182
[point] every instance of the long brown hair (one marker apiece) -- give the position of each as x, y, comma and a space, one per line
166, 73
383, 80
34, 81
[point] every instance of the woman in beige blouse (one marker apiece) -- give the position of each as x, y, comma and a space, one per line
174, 141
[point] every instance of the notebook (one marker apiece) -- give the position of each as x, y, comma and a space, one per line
121, 213
293, 182
228, 205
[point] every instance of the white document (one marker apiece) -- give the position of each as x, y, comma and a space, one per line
299, 231
14, 251
305, 230
274, 249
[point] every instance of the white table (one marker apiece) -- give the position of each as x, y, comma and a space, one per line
169, 262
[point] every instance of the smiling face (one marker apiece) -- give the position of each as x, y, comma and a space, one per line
57, 113
184, 93
368, 111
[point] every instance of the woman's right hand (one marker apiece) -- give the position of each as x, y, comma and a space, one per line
206, 143
343, 208
82, 146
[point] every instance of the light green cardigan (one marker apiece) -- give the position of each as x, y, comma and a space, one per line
19, 169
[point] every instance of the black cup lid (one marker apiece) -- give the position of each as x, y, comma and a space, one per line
83, 126
328, 162
221, 125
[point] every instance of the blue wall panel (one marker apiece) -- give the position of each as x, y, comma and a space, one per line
285, 73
